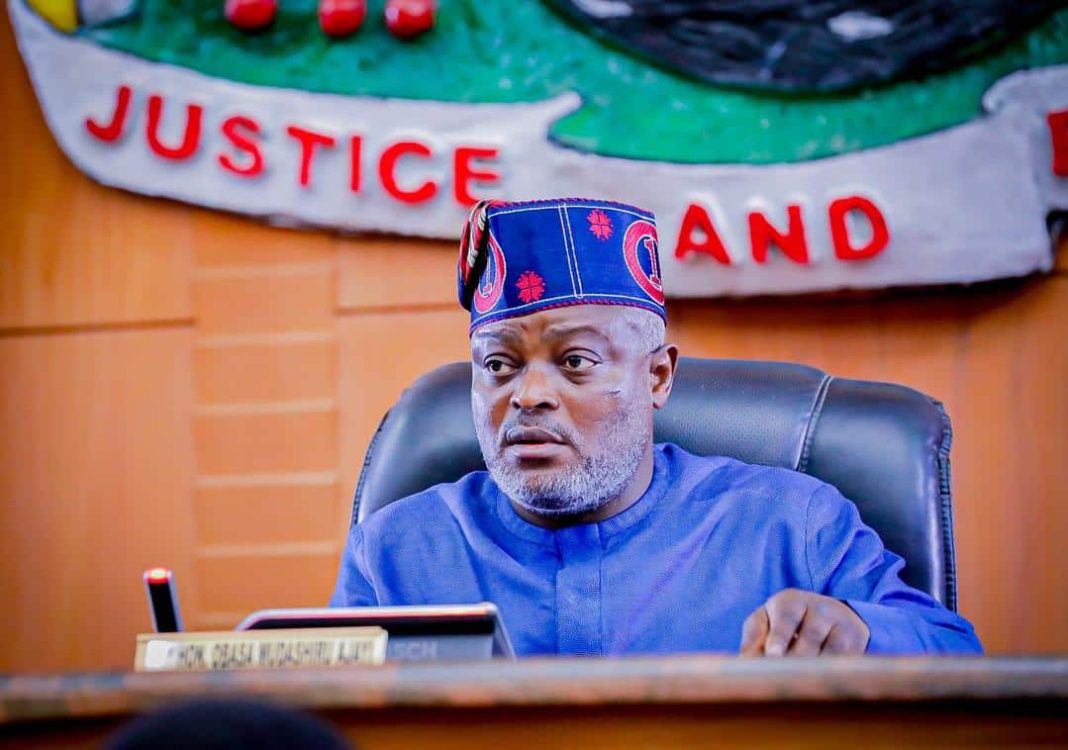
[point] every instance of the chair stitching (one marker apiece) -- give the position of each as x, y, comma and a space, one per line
945, 503
363, 469
813, 417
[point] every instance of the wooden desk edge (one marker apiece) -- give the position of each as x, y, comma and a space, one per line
696, 679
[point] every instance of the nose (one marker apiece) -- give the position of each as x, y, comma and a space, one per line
533, 390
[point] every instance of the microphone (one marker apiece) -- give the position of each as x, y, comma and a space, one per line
162, 600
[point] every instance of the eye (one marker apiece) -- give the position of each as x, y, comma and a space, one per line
578, 362
498, 366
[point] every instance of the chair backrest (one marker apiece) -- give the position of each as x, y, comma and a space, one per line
885, 447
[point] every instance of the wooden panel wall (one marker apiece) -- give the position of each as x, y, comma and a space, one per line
194, 389
95, 468
266, 417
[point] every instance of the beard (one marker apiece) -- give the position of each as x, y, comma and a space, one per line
586, 484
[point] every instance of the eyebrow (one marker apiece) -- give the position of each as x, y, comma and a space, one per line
504, 336
553, 332
564, 330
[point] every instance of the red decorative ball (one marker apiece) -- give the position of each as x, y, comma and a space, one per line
341, 17
409, 18
250, 15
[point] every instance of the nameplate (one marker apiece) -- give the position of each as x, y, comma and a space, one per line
259, 649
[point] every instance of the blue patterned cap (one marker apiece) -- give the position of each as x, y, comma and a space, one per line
519, 258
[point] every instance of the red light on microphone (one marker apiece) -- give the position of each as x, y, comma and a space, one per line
157, 575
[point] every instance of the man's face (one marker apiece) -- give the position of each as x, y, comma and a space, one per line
563, 405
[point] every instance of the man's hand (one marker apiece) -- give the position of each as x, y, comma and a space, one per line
802, 623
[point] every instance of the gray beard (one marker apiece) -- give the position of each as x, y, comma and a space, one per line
583, 487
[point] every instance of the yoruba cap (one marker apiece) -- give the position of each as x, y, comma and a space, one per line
519, 258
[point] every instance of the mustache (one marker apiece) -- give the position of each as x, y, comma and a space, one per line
566, 435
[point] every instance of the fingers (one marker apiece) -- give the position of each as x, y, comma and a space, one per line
843, 640
754, 632
786, 611
803, 623
810, 636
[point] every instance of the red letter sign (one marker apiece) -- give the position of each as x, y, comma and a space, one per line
464, 173
386, 172
309, 139
242, 143
113, 129
355, 160
792, 243
880, 234
191, 138
1058, 132
698, 220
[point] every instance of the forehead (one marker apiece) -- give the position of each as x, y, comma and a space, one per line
604, 321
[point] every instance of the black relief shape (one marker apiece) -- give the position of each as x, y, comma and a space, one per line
807, 45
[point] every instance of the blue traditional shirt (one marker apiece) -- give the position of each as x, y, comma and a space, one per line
680, 570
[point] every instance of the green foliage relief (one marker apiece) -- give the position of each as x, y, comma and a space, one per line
520, 51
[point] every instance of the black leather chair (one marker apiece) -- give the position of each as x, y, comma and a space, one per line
886, 447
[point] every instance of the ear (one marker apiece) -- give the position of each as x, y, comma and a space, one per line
662, 364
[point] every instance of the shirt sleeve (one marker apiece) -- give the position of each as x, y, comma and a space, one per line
847, 561
353, 587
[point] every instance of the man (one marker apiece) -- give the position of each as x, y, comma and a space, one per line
590, 538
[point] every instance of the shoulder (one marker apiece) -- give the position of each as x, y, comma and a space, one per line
431, 511
726, 471
771, 490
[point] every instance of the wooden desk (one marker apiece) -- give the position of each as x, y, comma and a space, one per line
676, 702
